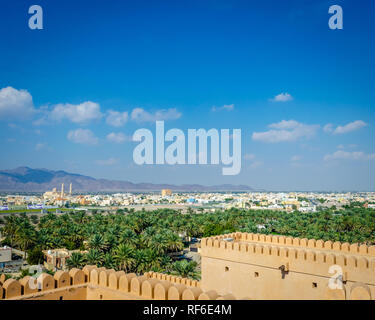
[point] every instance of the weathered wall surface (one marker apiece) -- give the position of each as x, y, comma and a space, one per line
100, 293
71, 293
248, 266
61, 286
251, 266
92, 283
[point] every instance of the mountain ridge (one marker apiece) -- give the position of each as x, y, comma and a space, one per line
25, 179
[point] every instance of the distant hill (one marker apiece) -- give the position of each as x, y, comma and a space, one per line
24, 179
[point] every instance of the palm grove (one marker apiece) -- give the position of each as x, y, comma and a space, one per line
142, 241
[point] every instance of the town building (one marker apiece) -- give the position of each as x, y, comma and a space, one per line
5, 254
166, 192
56, 259
7, 264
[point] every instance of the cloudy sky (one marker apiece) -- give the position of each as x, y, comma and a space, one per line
73, 94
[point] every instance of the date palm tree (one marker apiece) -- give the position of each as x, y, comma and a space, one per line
76, 260
124, 255
158, 243
97, 242
141, 261
185, 269
128, 236
173, 242
10, 228
94, 256
25, 237
109, 261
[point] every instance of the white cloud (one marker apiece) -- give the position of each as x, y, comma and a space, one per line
117, 119
349, 146
352, 126
286, 131
328, 127
253, 163
15, 104
80, 113
107, 162
346, 155
42, 146
118, 137
226, 107
141, 115
295, 158
83, 136
282, 97
285, 124
39, 146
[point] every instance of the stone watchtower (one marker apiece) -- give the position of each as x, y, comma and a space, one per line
260, 266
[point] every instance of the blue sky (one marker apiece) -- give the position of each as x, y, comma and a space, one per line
73, 93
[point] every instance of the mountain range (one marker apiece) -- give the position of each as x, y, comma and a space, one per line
24, 179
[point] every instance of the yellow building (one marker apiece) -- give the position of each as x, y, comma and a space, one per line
166, 192
56, 259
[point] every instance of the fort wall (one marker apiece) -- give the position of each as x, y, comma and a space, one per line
92, 283
234, 266
276, 267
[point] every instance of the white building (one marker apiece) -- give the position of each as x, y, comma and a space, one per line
5, 254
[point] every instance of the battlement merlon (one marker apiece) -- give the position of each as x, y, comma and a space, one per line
93, 283
294, 254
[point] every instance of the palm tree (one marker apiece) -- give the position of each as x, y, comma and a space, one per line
25, 237
94, 256
79, 217
185, 268
109, 261
124, 255
174, 242
76, 260
128, 236
165, 263
141, 261
10, 228
46, 240
110, 240
97, 242
158, 243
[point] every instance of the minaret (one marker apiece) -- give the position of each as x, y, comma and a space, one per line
62, 190
70, 189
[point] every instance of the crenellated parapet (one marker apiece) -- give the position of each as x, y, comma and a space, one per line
313, 256
288, 255
317, 255
337, 246
101, 283
150, 286
45, 283
173, 279
236, 265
